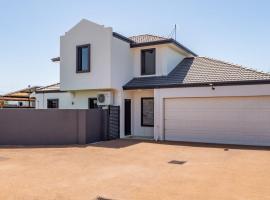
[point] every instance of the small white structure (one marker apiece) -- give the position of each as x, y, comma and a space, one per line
164, 90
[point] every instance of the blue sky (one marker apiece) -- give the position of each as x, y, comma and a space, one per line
236, 31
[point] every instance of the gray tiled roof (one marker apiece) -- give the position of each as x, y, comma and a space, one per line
199, 70
146, 38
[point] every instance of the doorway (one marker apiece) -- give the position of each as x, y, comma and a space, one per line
127, 117
92, 103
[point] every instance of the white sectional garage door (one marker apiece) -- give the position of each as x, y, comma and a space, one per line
231, 120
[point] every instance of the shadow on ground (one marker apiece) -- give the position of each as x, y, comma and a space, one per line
226, 147
123, 143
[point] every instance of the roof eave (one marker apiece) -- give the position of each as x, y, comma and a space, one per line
184, 48
167, 41
206, 84
50, 91
121, 37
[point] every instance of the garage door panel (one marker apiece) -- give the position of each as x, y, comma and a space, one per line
221, 124
250, 113
229, 132
250, 140
239, 120
200, 127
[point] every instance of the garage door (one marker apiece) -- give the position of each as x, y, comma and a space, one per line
231, 120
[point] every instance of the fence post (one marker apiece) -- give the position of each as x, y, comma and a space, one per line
81, 122
105, 127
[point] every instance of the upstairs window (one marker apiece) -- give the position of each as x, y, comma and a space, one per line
52, 103
148, 61
83, 58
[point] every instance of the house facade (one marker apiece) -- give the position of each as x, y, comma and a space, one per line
164, 90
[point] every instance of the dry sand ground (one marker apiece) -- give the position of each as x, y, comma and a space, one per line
132, 169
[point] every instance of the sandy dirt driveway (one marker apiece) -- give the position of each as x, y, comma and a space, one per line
135, 169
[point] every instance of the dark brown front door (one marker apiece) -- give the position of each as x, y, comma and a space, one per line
127, 117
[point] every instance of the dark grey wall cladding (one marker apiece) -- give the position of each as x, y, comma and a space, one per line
94, 117
50, 127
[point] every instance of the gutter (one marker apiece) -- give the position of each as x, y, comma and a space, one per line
121, 37
167, 41
206, 84
158, 42
50, 91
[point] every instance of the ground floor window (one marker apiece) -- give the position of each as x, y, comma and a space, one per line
53, 103
147, 111
92, 103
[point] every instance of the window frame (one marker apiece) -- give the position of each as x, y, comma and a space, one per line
142, 122
143, 61
78, 47
52, 100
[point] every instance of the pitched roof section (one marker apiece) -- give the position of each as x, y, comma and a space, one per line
146, 38
24, 93
49, 89
150, 40
201, 71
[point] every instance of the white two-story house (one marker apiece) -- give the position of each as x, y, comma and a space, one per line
164, 90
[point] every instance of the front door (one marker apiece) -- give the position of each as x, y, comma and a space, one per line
127, 117
92, 103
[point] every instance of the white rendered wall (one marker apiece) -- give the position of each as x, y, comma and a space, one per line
80, 98
65, 99
172, 59
167, 58
136, 128
100, 39
122, 63
160, 59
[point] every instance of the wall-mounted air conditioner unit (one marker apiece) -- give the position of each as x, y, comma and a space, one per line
104, 98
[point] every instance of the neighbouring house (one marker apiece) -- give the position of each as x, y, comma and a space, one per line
19, 99
164, 90
52, 97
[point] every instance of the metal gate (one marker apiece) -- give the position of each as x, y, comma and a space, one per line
114, 122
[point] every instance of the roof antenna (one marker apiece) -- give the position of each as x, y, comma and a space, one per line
175, 32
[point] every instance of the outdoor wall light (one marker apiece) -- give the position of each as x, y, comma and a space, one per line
212, 86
